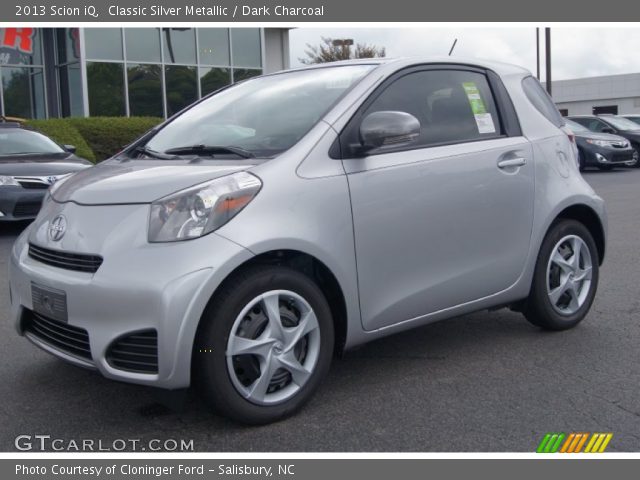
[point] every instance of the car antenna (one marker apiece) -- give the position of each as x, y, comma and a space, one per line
455, 40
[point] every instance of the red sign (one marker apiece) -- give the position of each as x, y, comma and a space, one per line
20, 39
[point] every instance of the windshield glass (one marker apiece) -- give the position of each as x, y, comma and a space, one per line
264, 116
622, 123
575, 127
23, 142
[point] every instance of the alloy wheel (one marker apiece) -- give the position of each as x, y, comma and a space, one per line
569, 274
273, 347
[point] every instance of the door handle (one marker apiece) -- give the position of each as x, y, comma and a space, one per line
512, 162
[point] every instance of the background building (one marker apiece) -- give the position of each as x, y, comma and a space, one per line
61, 72
617, 94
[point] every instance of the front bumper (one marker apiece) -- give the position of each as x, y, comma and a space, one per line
139, 286
18, 203
595, 155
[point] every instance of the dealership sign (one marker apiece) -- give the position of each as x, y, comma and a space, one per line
15, 43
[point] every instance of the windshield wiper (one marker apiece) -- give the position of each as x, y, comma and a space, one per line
154, 154
211, 149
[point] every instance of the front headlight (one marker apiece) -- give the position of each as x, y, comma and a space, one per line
6, 180
199, 210
599, 143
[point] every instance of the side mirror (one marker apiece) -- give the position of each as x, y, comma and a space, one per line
608, 130
70, 148
381, 129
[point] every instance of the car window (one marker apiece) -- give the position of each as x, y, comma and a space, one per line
451, 105
17, 142
596, 125
575, 127
541, 100
265, 115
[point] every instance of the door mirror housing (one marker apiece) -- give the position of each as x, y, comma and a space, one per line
388, 128
70, 148
608, 130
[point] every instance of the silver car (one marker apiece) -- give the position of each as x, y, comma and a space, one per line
287, 218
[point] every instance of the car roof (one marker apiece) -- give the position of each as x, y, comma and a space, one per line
403, 62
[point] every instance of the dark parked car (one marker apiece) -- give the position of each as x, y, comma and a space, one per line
29, 164
602, 150
612, 124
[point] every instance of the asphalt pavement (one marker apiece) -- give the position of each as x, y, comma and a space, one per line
483, 382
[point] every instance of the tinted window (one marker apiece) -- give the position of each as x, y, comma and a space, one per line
592, 123
143, 44
103, 43
16, 141
542, 101
145, 90
451, 105
179, 45
245, 47
214, 46
211, 79
182, 87
106, 89
23, 92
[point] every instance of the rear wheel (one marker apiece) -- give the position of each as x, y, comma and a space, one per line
566, 277
265, 344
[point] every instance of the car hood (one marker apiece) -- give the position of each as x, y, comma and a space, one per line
631, 135
600, 136
41, 165
139, 181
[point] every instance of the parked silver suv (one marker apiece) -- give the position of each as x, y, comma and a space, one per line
243, 242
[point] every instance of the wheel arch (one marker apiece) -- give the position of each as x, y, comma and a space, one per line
589, 218
310, 266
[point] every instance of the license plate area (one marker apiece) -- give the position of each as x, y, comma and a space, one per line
50, 302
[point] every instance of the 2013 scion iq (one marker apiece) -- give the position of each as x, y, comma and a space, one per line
243, 242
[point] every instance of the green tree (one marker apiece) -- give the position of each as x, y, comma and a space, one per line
331, 50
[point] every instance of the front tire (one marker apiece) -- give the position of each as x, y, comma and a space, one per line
264, 345
565, 279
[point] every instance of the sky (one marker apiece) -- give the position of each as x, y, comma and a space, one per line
576, 52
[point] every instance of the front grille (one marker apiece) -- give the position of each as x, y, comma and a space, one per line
34, 185
61, 336
70, 261
26, 209
135, 352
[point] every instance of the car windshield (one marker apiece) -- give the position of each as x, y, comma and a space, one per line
15, 141
261, 117
622, 123
575, 127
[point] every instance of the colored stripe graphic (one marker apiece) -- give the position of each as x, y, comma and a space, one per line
574, 442
550, 443
598, 443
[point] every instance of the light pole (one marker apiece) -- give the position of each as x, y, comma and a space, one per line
547, 46
538, 53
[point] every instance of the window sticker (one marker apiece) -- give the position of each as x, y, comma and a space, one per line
484, 120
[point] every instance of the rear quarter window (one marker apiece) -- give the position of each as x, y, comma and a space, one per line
541, 100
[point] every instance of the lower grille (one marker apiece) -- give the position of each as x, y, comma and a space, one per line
69, 261
61, 336
622, 157
26, 209
135, 352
